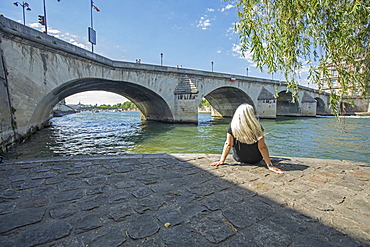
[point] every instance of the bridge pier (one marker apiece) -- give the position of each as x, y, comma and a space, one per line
308, 106
266, 104
186, 101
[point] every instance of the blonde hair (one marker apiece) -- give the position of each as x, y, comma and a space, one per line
245, 126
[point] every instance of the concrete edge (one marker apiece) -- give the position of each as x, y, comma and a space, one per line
179, 156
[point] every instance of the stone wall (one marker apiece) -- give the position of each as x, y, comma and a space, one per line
353, 106
7, 121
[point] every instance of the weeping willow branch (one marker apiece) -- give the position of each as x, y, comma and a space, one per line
325, 35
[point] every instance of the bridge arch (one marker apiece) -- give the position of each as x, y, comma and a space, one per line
285, 106
225, 100
151, 105
320, 106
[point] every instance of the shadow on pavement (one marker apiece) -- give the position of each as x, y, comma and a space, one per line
144, 200
284, 164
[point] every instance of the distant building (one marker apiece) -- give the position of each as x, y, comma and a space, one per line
61, 109
354, 101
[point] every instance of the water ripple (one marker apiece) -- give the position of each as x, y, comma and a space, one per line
107, 133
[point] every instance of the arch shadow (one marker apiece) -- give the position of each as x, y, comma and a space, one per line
285, 106
320, 107
151, 105
225, 100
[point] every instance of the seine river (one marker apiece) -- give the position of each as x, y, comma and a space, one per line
113, 133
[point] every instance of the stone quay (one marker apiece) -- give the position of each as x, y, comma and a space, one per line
180, 200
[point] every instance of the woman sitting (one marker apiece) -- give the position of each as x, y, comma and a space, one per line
246, 136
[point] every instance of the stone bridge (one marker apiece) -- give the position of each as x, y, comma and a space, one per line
37, 71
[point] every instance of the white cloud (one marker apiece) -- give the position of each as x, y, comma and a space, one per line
230, 32
204, 22
73, 39
247, 55
70, 38
79, 45
229, 6
53, 31
176, 27
36, 25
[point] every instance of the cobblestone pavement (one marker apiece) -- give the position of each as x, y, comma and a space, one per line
180, 200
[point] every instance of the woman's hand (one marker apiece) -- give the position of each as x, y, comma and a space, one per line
275, 169
217, 163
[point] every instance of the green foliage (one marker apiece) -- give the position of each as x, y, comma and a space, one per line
288, 35
128, 105
204, 102
105, 106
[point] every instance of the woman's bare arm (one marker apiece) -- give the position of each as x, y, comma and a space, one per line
262, 147
228, 145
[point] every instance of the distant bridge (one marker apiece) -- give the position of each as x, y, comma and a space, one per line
37, 71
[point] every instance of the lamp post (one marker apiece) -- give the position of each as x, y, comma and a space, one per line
161, 59
212, 65
23, 5
247, 70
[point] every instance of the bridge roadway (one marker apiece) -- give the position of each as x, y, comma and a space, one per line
37, 71
180, 200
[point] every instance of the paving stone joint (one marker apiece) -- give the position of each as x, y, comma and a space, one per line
180, 200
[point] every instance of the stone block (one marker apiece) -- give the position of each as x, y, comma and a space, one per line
44, 233
141, 226
21, 218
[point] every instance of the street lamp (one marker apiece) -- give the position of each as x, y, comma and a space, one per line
247, 70
24, 5
212, 65
161, 59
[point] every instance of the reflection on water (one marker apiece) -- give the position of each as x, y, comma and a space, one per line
112, 133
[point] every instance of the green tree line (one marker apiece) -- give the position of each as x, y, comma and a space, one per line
131, 106
128, 105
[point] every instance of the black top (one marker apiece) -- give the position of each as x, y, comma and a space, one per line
245, 153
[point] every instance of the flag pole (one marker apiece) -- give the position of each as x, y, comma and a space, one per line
92, 24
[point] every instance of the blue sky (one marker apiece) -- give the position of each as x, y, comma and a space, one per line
190, 33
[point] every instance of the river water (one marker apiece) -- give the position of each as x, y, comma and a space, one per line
113, 133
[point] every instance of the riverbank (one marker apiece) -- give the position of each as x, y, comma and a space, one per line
180, 200
121, 133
